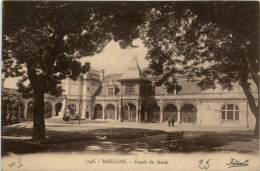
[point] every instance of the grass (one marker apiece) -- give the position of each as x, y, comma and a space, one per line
68, 138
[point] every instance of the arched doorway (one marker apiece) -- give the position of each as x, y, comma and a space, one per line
47, 110
58, 107
110, 112
170, 110
155, 113
98, 111
129, 112
188, 114
30, 110
125, 113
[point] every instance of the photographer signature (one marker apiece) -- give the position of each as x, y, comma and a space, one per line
236, 163
16, 163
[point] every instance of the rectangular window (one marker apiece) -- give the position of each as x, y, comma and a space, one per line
110, 91
130, 89
237, 115
223, 115
230, 115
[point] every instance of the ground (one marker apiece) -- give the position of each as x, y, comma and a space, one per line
125, 139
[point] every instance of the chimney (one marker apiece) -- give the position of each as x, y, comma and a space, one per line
102, 75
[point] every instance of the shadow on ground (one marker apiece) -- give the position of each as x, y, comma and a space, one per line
124, 141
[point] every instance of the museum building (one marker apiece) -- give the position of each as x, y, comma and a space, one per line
131, 97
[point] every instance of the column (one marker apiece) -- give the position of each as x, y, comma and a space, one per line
179, 116
161, 114
25, 110
146, 113
129, 114
53, 112
104, 112
91, 115
116, 112
137, 111
119, 111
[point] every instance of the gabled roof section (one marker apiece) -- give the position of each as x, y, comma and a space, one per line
133, 72
113, 77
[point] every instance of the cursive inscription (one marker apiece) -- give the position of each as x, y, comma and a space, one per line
204, 165
236, 163
17, 163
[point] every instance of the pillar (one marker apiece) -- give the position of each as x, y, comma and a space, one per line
104, 112
116, 112
119, 111
25, 110
129, 113
161, 114
53, 111
137, 111
179, 116
146, 113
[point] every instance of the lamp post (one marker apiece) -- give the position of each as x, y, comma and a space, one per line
193, 112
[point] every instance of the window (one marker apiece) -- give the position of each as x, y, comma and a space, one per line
230, 112
130, 89
110, 91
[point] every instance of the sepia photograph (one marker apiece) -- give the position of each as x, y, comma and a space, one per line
130, 85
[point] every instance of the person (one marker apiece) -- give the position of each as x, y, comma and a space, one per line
169, 121
67, 112
173, 120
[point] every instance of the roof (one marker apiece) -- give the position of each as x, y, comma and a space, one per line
189, 87
133, 72
112, 77
10, 91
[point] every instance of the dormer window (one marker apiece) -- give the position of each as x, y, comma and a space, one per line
110, 91
130, 89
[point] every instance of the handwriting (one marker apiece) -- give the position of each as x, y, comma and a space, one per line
17, 163
237, 163
11, 164
205, 165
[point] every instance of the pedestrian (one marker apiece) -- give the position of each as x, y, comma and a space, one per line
173, 120
67, 115
169, 121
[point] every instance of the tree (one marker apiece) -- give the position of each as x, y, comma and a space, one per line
215, 41
43, 41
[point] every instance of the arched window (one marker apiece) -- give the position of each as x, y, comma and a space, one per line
230, 112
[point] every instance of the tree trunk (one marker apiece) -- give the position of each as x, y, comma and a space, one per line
256, 132
38, 114
253, 107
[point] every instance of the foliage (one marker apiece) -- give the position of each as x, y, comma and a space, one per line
43, 41
209, 42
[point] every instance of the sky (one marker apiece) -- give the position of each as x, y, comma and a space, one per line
112, 59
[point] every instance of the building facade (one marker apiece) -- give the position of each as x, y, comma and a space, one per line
131, 97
